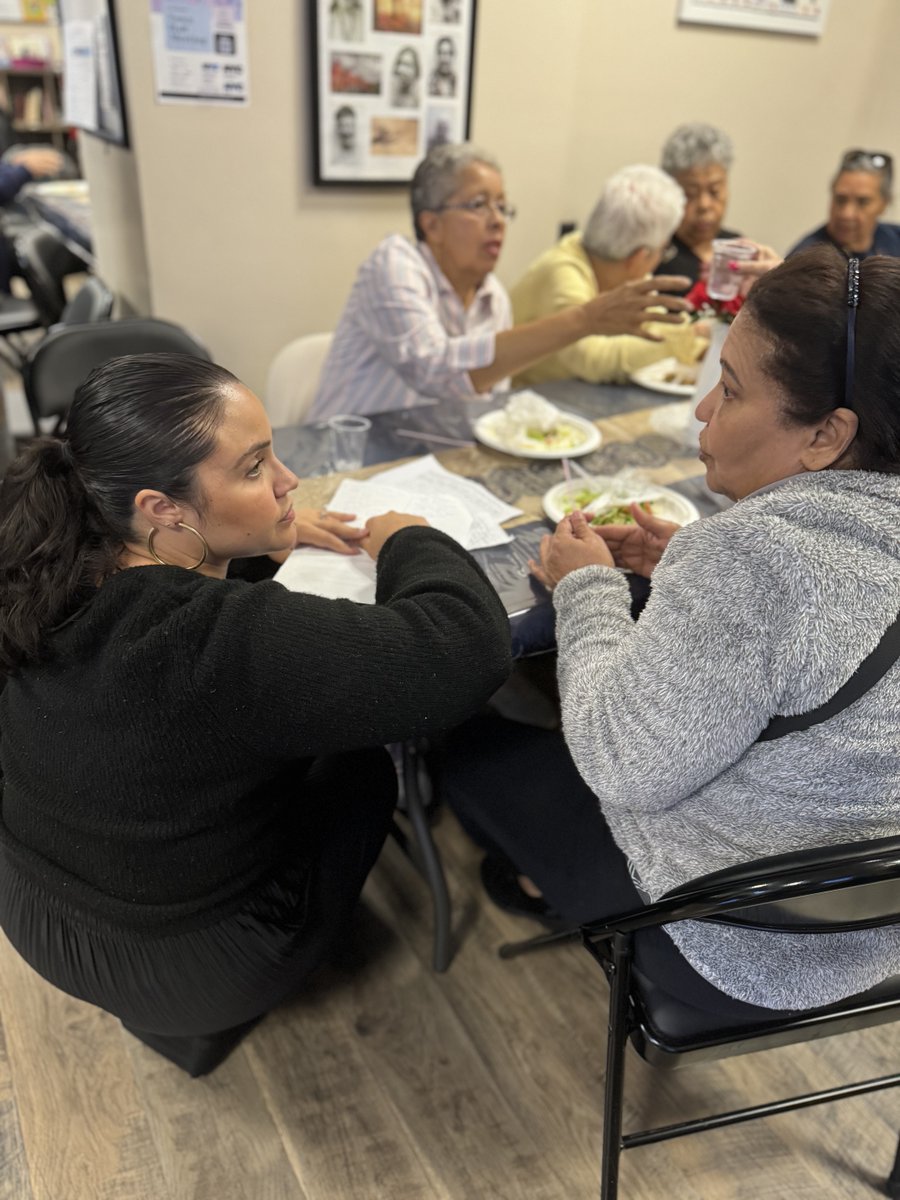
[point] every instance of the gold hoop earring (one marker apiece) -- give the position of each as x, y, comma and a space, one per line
197, 534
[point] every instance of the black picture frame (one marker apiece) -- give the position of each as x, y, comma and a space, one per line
390, 79
112, 117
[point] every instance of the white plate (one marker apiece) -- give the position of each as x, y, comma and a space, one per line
653, 376
487, 432
669, 505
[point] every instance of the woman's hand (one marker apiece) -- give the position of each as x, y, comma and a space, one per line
381, 527
624, 309
637, 547
327, 530
573, 545
749, 271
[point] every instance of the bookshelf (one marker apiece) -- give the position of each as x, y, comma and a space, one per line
31, 77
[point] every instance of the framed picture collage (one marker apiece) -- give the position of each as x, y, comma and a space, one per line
392, 78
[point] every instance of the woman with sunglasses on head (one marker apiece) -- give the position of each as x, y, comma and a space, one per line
430, 320
860, 192
195, 784
679, 762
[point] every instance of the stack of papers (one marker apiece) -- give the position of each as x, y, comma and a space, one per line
461, 508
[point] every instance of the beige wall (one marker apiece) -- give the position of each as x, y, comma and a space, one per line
247, 254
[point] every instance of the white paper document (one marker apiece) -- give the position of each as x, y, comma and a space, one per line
461, 508
324, 573
80, 75
426, 477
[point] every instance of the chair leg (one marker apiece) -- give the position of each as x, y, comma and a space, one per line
430, 859
557, 938
617, 1036
893, 1183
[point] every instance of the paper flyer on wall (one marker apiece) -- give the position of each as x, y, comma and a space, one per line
200, 51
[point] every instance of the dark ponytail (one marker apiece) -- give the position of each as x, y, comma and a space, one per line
66, 506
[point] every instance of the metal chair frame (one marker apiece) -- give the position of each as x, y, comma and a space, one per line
423, 853
790, 893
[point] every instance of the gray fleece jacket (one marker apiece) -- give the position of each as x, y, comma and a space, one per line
764, 609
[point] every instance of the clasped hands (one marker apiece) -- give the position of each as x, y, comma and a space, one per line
575, 544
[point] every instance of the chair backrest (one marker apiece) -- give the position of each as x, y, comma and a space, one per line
92, 302
293, 378
852, 885
62, 360
44, 261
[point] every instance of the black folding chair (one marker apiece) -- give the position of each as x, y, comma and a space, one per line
61, 361
44, 261
832, 889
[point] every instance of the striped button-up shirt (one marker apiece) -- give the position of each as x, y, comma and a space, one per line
405, 336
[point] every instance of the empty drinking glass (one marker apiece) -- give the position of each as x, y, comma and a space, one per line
347, 441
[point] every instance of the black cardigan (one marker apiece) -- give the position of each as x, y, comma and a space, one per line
151, 768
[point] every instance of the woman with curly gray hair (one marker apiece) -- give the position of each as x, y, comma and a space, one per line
698, 156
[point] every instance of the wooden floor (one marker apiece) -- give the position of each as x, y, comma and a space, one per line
388, 1081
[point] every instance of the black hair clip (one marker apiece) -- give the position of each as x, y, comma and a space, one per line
853, 282
852, 305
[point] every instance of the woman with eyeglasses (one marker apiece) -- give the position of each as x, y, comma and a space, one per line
429, 319
194, 779
860, 192
679, 761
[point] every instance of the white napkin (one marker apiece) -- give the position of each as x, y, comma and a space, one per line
527, 410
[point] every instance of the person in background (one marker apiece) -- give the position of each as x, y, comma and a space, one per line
698, 157
195, 783
860, 192
623, 240
17, 169
430, 319
766, 608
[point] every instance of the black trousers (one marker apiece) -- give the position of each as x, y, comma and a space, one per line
518, 794
192, 995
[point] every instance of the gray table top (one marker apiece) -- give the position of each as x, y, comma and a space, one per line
304, 449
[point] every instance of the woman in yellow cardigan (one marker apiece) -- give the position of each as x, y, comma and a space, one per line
631, 224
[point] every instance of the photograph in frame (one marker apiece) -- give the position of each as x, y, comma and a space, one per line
391, 79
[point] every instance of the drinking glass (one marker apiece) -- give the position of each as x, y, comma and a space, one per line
722, 283
347, 441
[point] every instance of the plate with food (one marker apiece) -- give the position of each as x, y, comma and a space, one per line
668, 375
606, 500
531, 427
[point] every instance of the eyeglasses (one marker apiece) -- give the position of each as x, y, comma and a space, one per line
868, 160
481, 207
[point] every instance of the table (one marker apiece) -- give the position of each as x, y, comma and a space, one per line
625, 417
66, 206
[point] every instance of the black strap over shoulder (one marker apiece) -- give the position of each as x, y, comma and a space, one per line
872, 668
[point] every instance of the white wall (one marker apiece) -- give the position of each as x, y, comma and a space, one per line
245, 252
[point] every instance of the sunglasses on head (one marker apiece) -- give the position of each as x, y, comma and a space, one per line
868, 160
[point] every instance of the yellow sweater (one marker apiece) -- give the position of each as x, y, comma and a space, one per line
561, 277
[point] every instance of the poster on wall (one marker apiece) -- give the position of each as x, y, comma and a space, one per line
92, 88
774, 16
199, 51
391, 79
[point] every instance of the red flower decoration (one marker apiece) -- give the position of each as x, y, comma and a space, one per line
706, 308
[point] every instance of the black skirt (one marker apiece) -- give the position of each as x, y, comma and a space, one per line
231, 972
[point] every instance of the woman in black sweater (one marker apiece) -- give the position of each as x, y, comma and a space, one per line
195, 784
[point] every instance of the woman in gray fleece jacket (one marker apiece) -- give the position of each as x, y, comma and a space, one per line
764, 609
